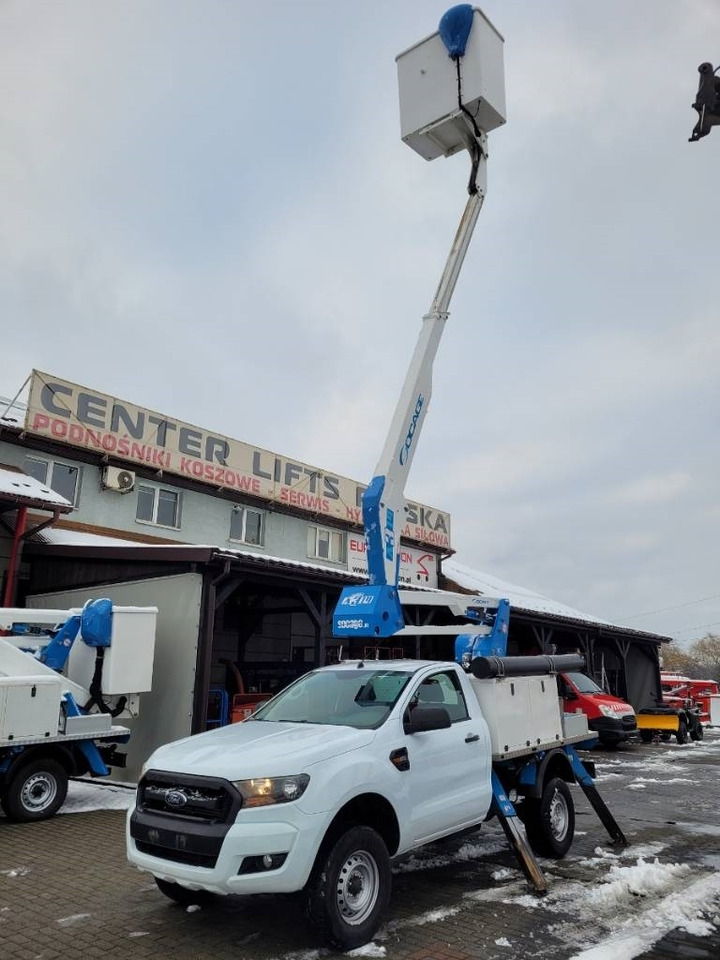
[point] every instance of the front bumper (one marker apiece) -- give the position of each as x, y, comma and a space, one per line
254, 834
614, 729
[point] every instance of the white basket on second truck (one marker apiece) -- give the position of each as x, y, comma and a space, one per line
65, 675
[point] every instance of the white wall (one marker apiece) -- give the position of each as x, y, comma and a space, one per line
166, 711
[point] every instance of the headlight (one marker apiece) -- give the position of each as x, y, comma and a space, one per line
607, 711
268, 790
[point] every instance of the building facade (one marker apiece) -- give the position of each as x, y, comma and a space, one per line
131, 473
244, 552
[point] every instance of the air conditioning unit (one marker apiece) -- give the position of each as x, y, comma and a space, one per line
114, 478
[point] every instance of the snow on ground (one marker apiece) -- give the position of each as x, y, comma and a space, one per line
87, 795
637, 902
371, 949
651, 898
75, 918
467, 852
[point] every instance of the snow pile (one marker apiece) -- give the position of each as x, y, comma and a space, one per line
368, 950
638, 880
653, 898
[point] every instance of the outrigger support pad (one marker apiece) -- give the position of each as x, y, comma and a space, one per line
515, 834
586, 784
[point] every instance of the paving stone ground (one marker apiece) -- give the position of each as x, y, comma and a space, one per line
66, 889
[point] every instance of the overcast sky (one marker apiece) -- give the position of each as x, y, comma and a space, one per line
206, 209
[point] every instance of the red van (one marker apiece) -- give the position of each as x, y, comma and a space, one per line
610, 717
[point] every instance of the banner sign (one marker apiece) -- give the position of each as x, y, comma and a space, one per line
71, 414
416, 566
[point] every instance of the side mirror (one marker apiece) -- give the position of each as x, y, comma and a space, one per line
569, 694
423, 718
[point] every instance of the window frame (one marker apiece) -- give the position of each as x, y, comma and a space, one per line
243, 539
50, 469
315, 531
452, 677
156, 490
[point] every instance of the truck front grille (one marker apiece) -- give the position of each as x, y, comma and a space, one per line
207, 799
182, 818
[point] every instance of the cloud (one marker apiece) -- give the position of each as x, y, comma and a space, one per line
657, 489
207, 210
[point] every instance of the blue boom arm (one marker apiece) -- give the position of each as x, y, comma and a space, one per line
375, 610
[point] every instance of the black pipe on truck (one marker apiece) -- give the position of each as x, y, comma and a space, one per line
486, 667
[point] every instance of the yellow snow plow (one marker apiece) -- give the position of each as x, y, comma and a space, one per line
658, 721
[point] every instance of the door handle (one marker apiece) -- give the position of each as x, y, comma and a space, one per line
472, 737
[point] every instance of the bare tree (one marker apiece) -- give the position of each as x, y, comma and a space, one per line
677, 660
707, 652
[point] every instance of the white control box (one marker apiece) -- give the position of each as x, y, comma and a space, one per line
523, 713
128, 661
29, 707
431, 121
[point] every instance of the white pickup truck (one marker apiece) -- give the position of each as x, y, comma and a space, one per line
351, 766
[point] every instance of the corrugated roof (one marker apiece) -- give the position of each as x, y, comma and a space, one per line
75, 542
522, 599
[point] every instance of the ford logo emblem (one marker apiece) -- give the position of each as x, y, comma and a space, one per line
175, 798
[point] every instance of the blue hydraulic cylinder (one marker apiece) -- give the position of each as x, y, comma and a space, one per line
55, 653
492, 644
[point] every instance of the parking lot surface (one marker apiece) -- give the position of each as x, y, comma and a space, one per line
66, 889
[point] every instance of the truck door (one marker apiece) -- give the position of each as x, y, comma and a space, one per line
449, 769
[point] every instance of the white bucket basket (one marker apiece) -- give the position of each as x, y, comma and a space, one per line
431, 120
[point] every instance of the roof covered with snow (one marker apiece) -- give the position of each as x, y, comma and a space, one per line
18, 487
61, 537
488, 586
482, 584
12, 412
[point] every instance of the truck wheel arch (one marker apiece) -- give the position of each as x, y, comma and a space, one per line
555, 763
368, 810
68, 758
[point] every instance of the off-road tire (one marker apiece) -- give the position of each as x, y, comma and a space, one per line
349, 890
682, 735
646, 736
696, 731
550, 820
36, 791
183, 895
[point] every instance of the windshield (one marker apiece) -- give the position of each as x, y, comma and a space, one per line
360, 698
583, 684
